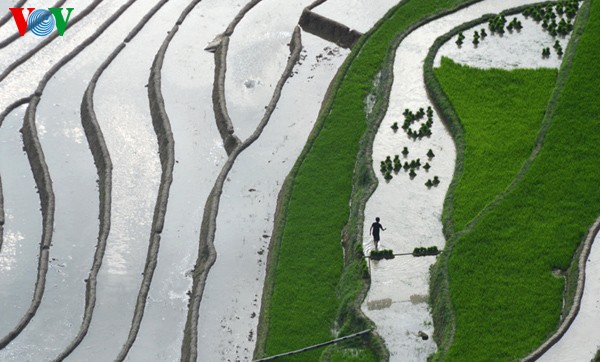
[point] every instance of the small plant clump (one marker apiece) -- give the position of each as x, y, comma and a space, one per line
460, 39
515, 24
397, 164
410, 118
558, 48
430, 154
483, 33
386, 168
395, 126
496, 24
427, 166
432, 250
405, 151
412, 173
476, 38
381, 254
549, 16
430, 183
546, 52
564, 27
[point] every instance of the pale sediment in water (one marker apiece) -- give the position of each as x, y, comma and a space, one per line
408, 209
229, 315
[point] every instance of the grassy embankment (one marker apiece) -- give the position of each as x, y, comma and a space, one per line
313, 289
501, 113
505, 299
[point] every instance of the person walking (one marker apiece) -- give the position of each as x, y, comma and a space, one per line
375, 227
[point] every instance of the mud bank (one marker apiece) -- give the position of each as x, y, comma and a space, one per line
166, 150
187, 90
41, 175
2, 117
19, 258
103, 163
224, 124
328, 29
117, 264
207, 251
256, 56
221, 43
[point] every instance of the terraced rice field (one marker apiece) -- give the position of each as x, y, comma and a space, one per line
158, 161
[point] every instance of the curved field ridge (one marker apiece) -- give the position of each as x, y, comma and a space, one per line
567, 322
3, 115
509, 302
100, 161
206, 251
43, 181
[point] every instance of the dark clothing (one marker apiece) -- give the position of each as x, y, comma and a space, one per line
376, 227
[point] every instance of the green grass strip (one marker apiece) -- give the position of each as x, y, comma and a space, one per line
312, 291
506, 299
501, 113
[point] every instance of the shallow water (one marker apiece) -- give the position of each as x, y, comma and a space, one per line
76, 219
23, 227
73, 174
519, 49
257, 56
356, 14
122, 109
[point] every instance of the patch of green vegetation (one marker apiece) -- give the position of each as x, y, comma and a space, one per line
501, 112
381, 254
505, 299
597, 357
352, 354
313, 290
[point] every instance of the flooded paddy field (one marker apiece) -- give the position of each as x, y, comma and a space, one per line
167, 129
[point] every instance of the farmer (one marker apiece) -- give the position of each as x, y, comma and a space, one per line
375, 227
